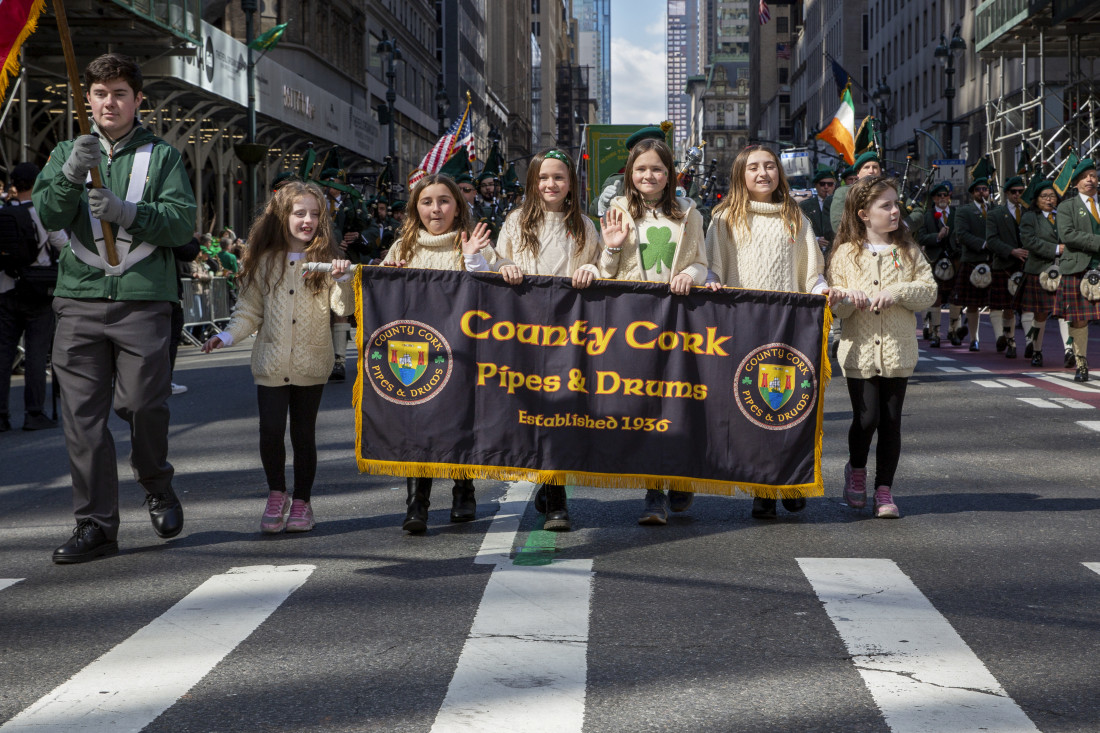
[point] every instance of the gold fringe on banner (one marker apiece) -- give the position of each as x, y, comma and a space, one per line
9, 68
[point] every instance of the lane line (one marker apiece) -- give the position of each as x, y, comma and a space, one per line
1040, 402
1072, 403
132, 684
496, 546
992, 384
8, 582
524, 666
1090, 424
921, 674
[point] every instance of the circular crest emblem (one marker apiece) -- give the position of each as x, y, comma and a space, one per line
408, 362
776, 387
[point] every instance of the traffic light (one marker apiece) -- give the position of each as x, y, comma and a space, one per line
914, 148
383, 114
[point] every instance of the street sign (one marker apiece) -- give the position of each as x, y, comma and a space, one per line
953, 170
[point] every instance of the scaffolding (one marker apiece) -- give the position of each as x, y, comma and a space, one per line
1056, 108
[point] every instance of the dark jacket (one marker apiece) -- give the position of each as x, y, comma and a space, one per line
970, 234
1081, 235
933, 247
1040, 238
1002, 235
819, 219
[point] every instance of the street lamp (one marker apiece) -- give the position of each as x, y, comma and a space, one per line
946, 52
442, 103
386, 112
250, 152
881, 97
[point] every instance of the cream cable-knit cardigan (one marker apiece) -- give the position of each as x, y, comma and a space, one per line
771, 257
688, 257
291, 322
557, 251
874, 343
435, 252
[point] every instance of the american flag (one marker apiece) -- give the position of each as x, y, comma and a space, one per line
783, 51
460, 133
765, 14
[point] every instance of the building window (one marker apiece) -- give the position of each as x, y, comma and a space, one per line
866, 36
781, 24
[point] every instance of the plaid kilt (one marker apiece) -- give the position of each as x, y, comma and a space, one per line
1071, 305
968, 296
1031, 298
999, 297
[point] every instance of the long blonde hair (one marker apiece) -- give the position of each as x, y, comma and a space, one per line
852, 232
269, 238
412, 226
635, 203
533, 211
736, 204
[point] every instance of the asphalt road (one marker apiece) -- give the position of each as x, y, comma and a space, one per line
715, 622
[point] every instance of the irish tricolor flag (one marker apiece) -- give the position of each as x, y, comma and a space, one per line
841, 132
18, 19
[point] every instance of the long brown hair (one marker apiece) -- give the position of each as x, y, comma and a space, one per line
635, 203
852, 232
412, 226
269, 237
533, 211
736, 204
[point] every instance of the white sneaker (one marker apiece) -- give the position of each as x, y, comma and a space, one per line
178, 388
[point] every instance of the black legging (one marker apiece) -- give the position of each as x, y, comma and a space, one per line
302, 403
876, 405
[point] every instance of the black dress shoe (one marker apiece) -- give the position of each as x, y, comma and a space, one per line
463, 503
1069, 362
927, 333
1002, 343
680, 501
540, 499
962, 331
794, 505
1037, 359
339, 373
557, 510
1010, 351
37, 421
934, 342
973, 346
5, 424
763, 508
1029, 350
1082, 374
87, 543
166, 513
954, 338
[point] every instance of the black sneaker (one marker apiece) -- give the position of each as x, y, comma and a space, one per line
87, 543
763, 508
680, 501
166, 513
37, 421
5, 424
656, 509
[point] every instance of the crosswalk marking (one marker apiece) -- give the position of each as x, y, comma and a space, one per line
1093, 566
990, 383
1015, 383
951, 370
524, 665
8, 582
920, 672
132, 684
1072, 403
1039, 402
941, 358
1063, 381
1090, 424
976, 370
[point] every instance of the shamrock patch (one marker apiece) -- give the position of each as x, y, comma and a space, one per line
659, 249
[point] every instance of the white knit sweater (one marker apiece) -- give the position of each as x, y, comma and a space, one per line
291, 322
432, 252
771, 257
880, 343
688, 256
557, 251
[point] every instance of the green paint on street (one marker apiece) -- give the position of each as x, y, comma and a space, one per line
541, 545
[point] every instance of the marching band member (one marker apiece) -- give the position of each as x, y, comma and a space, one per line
1079, 229
1002, 238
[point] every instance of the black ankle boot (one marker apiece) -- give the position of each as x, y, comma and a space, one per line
557, 510
416, 518
463, 503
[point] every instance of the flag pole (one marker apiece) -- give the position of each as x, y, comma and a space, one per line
77, 92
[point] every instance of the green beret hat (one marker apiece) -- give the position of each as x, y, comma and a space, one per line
651, 132
485, 176
1085, 165
822, 175
868, 157
848, 172
942, 187
982, 181
398, 205
1015, 181
464, 178
1042, 186
328, 173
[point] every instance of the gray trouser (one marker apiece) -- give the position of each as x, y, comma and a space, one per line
103, 351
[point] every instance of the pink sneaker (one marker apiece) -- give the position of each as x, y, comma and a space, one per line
301, 517
885, 508
274, 518
855, 486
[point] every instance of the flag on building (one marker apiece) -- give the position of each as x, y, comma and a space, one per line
841, 132
18, 19
765, 14
459, 134
783, 51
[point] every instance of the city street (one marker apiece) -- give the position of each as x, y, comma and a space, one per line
977, 610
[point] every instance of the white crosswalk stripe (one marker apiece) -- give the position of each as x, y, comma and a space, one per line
8, 582
1093, 566
1064, 380
920, 672
1040, 402
130, 685
1090, 424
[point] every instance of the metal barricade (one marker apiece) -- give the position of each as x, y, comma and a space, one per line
220, 304
197, 308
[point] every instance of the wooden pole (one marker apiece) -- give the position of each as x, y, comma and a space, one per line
77, 90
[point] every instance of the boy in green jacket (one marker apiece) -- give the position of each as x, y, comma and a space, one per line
114, 320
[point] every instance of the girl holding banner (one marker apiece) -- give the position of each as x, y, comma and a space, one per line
289, 364
549, 235
884, 280
760, 239
436, 233
652, 235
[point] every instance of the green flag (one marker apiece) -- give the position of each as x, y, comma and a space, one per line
332, 160
1065, 176
268, 39
457, 164
493, 162
1029, 193
867, 136
510, 180
308, 161
1024, 166
983, 168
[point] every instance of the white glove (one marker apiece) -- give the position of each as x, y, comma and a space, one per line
604, 202
84, 156
105, 206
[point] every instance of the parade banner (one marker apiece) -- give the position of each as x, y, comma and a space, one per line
618, 385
